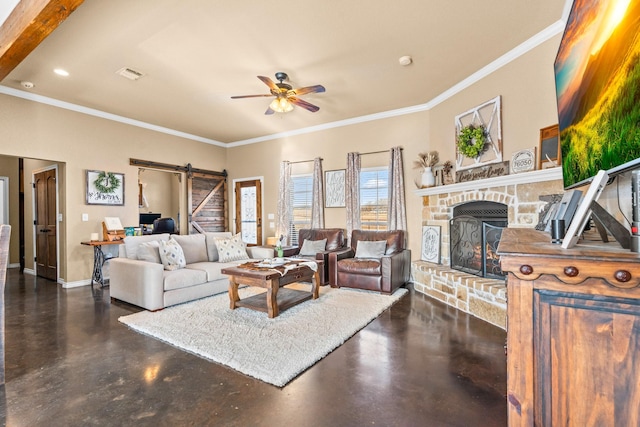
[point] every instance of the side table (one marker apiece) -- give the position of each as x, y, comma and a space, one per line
99, 258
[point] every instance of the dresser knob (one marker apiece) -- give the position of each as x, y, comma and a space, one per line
571, 271
526, 269
622, 276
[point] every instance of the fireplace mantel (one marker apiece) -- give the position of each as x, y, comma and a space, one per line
541, 175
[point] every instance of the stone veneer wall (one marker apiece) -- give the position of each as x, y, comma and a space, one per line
481, 297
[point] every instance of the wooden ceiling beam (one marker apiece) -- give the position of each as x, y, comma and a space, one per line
30, 22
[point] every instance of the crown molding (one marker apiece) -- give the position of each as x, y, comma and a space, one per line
518, 51
104, 115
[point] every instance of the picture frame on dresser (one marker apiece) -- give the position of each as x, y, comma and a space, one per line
583, 212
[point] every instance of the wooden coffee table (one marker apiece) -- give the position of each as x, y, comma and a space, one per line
277, 297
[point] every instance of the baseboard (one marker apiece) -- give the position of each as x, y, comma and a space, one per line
75, 284
30, 271
14, 265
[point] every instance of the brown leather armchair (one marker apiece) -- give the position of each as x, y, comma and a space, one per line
335, 242
384, 274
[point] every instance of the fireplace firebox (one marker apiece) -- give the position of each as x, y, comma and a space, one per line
475, 229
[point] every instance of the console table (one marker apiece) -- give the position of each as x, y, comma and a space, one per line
573, 332
99, 258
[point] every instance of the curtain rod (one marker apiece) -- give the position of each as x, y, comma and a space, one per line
303, 161
377, 152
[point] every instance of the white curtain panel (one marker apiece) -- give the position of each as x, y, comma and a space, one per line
397, 218
284, 201
352, 192
317, 198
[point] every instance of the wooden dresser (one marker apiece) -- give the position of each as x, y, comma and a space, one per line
573, 332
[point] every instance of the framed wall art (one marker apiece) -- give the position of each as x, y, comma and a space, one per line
478, 135
334, 189
105, 188
431, 243
549, 150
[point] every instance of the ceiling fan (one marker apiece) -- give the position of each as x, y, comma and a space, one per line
286, 96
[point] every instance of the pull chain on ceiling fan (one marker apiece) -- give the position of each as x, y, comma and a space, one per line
286, 96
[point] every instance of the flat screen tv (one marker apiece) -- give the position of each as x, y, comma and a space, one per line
597, 75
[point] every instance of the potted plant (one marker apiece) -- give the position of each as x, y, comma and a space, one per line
425, 162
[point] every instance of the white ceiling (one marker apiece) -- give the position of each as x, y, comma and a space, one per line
196, 54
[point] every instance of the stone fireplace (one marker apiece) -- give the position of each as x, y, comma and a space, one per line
519, 195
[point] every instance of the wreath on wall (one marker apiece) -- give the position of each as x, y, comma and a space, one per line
472, 140
112, 182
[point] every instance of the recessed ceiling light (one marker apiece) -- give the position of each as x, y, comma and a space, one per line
61, 72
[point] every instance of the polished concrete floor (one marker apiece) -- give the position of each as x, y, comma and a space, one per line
70, 363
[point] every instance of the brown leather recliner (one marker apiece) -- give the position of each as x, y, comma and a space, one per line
384, 274
335, 242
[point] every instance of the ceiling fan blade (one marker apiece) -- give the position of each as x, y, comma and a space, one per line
270, 83
304, 104
250, 96
269, 111
308, 89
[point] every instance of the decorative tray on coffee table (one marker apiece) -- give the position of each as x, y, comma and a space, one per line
270, 263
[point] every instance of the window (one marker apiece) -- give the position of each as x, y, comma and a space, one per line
374, 198
301, 196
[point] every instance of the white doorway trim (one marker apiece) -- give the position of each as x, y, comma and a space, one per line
4, 200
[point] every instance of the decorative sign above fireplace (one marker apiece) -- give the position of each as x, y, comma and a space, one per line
483, 172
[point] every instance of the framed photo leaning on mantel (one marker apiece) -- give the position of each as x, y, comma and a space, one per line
549, 152
334, 189
105, 188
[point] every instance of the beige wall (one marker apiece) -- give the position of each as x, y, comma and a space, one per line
161, 192
9, 168
81, 142
528, 104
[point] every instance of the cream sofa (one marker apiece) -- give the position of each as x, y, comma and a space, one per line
148, 285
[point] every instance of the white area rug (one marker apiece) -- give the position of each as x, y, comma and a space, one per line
272, 350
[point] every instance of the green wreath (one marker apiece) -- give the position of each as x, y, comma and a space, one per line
113, 182
472, 140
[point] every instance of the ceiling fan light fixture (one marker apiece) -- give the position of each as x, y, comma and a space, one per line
281, 105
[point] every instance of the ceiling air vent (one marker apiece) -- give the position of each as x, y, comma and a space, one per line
129, 73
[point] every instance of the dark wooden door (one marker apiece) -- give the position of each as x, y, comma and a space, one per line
45, 224
207, 201
248, 196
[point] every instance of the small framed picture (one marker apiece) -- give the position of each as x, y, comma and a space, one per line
549, 152
583, 212
431, 243
334, 196
105, 188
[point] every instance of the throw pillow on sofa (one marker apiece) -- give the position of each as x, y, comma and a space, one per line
375, 249
150, 252
171, 255
312, 247
193, 246
212, 249
131, 243
232, 249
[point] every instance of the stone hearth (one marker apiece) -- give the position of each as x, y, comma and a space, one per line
481, 297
